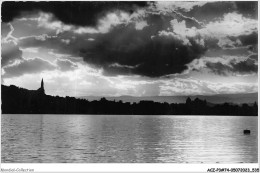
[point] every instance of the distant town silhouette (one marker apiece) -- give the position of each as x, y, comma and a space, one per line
17, 100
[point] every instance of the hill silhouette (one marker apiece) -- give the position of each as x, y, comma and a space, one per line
17, 100
239, 98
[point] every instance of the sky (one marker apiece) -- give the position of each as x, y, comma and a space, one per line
131, 48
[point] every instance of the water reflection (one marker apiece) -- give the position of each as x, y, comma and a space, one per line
142, 139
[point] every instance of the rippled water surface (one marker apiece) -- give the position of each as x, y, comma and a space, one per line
131, 138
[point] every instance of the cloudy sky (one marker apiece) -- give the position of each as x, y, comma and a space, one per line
130, 48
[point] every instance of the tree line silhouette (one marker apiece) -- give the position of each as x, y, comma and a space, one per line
17, 100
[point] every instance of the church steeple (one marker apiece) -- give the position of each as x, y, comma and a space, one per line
42, 84
42, 87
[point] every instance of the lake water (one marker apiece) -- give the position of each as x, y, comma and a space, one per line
131, 138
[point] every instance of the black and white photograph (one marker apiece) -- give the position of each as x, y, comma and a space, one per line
129, 82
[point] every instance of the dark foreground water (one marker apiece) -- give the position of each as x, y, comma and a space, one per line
131, 138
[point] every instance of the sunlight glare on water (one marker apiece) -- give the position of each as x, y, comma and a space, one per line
131, 138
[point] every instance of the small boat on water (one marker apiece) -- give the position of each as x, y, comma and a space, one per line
247, 132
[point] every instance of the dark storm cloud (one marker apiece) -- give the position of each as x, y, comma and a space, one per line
251, 39
254, 57
75, 13
243, 51
212, 11
247, 66
247, 43
247, 8
218, 68
141, 52
168, 42
27, 66
136, 52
